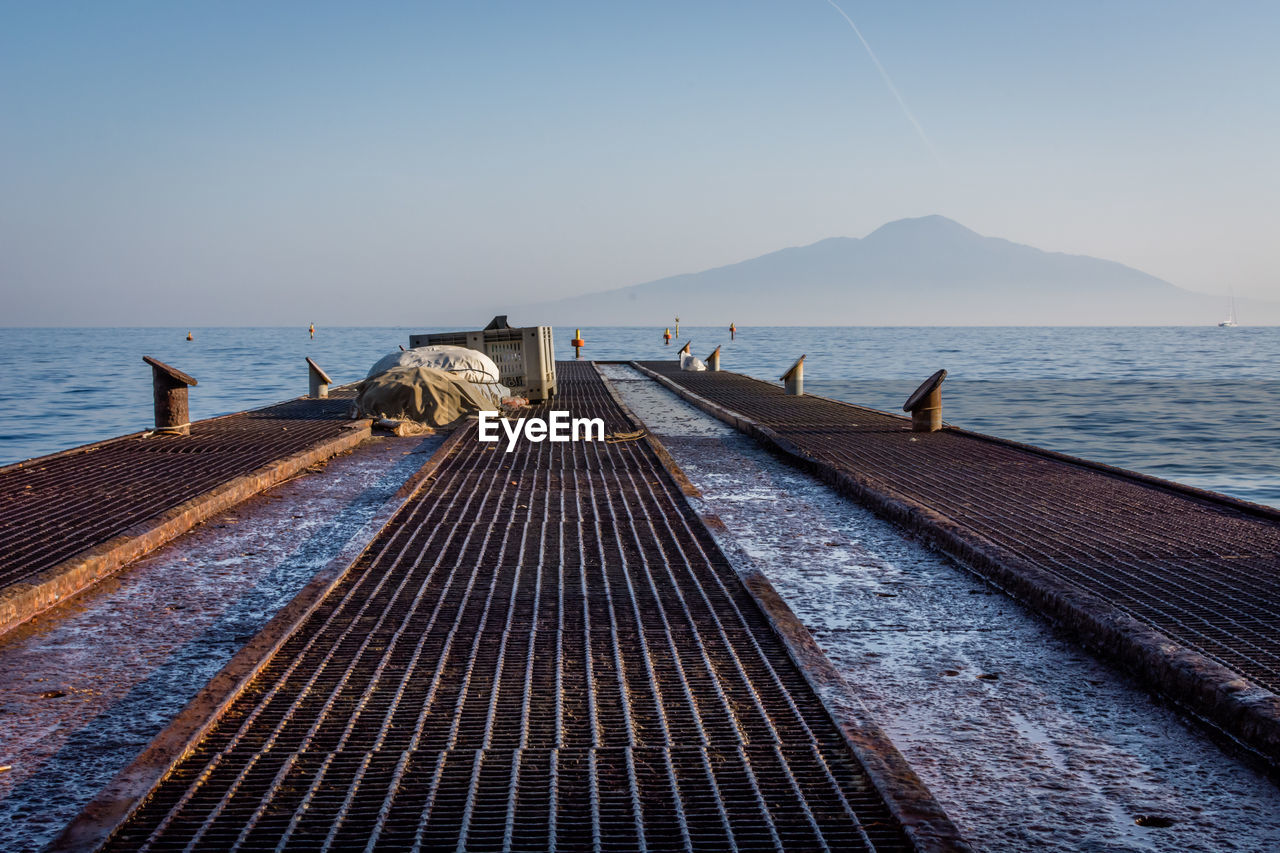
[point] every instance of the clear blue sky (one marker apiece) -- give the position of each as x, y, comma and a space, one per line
259, 163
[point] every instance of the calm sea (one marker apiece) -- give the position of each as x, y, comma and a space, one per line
1196, 405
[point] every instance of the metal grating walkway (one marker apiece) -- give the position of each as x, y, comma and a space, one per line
544, 650
1205, 572
55, 507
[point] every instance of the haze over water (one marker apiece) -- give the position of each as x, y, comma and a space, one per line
1194, 405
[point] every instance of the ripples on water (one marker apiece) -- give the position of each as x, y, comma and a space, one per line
1196, 405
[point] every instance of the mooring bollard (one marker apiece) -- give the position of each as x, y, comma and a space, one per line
713, 360
795, 378
578, 343
925, 405
685, 349
318, 381
169, 385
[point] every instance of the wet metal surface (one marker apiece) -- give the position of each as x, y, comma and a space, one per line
1202, 572
544, 650
53, 508
126, 656
1056, 752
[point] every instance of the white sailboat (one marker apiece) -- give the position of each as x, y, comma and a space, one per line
1230, 322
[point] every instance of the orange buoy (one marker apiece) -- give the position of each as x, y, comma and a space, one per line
733, 331
189, 337
578, 343
666, 336
313, 331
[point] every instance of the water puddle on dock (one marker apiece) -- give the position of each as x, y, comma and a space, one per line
1027, 741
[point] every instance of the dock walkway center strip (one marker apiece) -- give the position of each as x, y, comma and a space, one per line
69, 519
1180, 585
543, 650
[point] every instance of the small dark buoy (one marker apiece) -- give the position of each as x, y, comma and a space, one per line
190, 337
1154, 820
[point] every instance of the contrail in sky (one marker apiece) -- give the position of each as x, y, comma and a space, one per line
889, 82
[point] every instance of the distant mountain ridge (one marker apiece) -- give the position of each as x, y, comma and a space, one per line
912, 272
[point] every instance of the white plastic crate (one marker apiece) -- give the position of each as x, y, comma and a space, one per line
525, 356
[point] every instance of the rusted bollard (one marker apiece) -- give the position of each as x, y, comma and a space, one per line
169, 385
713, 360
925, 405
685, 349
318, 381
794, 378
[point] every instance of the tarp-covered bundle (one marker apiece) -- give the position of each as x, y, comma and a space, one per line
688, 361
471, 365
423, 394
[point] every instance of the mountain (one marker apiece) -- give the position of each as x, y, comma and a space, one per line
912, 272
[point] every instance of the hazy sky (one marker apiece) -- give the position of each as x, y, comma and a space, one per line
195, 163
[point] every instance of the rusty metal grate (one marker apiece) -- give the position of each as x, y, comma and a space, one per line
1204, 572
544, 650
54, 508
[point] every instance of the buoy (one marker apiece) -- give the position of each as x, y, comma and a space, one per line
666, 336
677, 328
733, 331
189, 337
578, 343
313, 331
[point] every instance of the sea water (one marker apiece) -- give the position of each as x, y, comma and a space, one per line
1200, 406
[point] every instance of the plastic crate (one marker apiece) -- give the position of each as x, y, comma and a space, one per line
525, 356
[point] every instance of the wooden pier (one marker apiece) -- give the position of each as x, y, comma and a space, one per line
70, 519
1178, 585
547, 649
544, 649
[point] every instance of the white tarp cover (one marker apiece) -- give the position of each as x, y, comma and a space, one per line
422, 394
688, 361
471, 365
